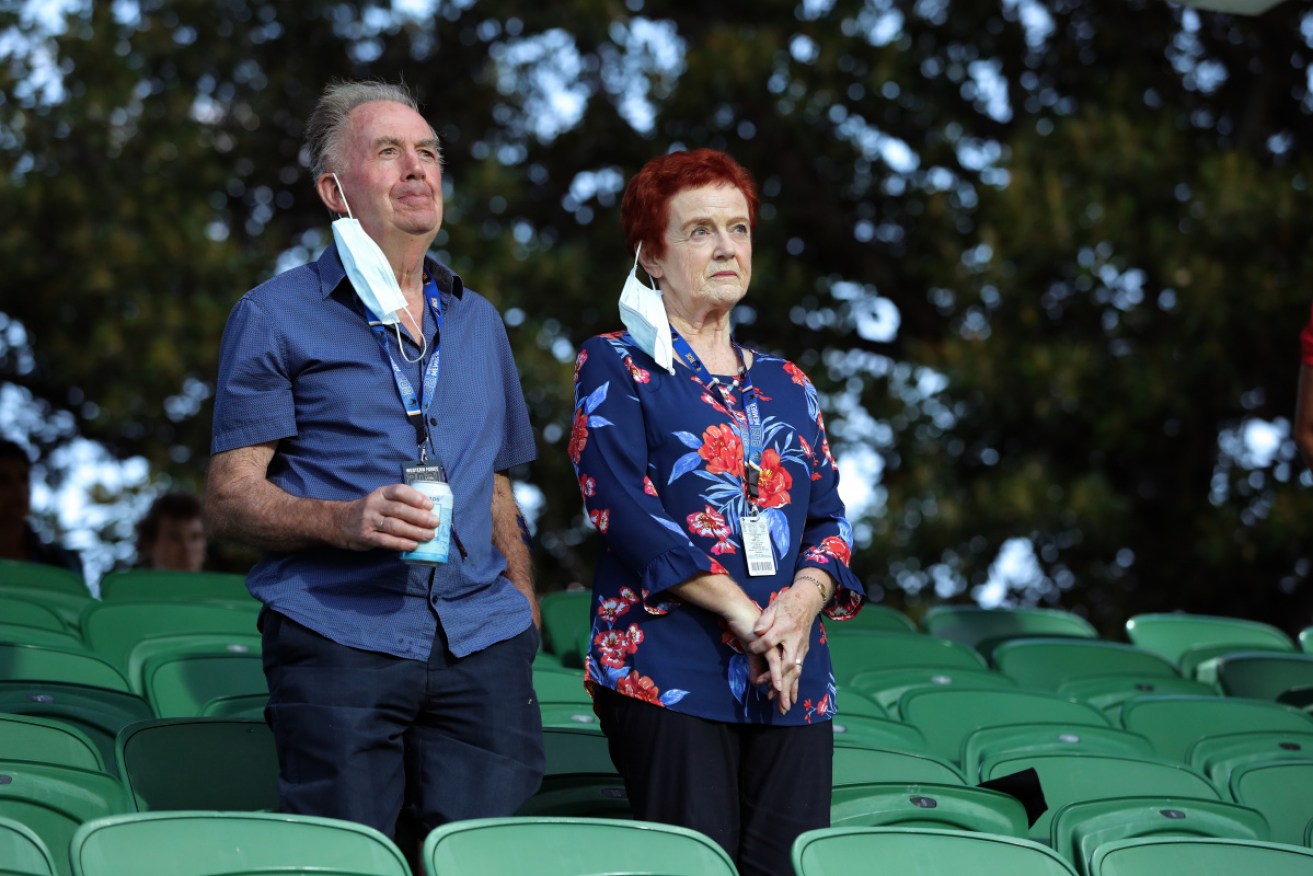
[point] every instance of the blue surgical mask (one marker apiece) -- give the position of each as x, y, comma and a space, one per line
370, 273
643, 312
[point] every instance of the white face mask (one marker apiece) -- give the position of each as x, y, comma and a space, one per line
371, 274
643, 312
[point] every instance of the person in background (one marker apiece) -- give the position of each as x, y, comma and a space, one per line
171, 534
393, 685
704, 466
18, 540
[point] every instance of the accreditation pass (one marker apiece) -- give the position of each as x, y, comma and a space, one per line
757, 545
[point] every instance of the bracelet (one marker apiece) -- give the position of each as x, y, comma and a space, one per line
820, 585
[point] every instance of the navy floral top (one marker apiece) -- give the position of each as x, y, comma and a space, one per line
660, 464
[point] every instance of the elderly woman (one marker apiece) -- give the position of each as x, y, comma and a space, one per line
711, 482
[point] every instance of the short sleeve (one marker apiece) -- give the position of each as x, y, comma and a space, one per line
253, 401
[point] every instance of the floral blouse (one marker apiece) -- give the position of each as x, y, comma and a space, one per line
660, 464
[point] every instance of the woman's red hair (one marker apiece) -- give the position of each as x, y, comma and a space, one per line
645, 208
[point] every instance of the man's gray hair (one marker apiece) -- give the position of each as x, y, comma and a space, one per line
324, 128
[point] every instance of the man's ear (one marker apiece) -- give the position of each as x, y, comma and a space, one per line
330, 194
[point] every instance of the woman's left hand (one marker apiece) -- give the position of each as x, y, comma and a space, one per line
786, 624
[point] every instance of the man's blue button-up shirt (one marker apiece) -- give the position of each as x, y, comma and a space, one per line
300, 366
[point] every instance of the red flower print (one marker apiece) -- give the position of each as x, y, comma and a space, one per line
579, 361
588, 486
639, 375
722, 450
709, 399
628, 595
640, 687
707, 523
796, 373
578, 435
647, 486
615, 645
724, 547
601, 519
718, 569
610, 609
837, 547
807, 449
774, 483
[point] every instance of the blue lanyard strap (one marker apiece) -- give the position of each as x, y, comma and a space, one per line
752, 448
415, 404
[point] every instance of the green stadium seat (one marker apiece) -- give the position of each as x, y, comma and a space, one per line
1306, 640
22, 853
570, 847
1046, 663
576, 750
1079, 828
560, 686
181, 685
186, 643
566, 619
885, 686
1107, 692
876, 617
860, 731
569, 714
30, 613
862, 766
199, 763
53, 801
113, 629
1170, 856
236, 706
1056, 738
948, 716
171, 584
1071, 778
66, 605
1189, 639
1263, 675
579, 795
849, 851
231, 844
99, 713
39, 576
42, 740
23, 634
984, 628
854, 651
1216, 756
1174, 723
41, 663
1282, 790
958, 807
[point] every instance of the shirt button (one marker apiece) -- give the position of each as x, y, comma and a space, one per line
433, 421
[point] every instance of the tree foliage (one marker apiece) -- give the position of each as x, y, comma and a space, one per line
1046, 259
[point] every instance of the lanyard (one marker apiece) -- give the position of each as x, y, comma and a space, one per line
415, 404
751, 416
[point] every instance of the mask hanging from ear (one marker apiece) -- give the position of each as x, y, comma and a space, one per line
643, 312
368, 269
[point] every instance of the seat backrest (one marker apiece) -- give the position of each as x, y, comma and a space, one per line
172, 584
579, 795
39, 576
576, 750
25, 634
1068, 778
1172, 634
1282, 791
186, 643
560, 685
924, 851
236, 706
959, 807
885, 686
111, 629
984, 628
1079, 828
1263, 675
877, 617
854, 651
67, 605
858, 766
1174, 723
99, 713
199, 763
861, 731
569, 714
54, 800
232, 843
570, 846
23, 737
947, 716
1216, 756
22, 853
1107, 692
179, 685
1058, 738
43, 663
29, 613
1047, 663
1155, 856
566, 619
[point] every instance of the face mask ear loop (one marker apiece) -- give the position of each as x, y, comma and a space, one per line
650, 282
423, 340
343, 194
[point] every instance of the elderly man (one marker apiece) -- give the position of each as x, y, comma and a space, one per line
394, 683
